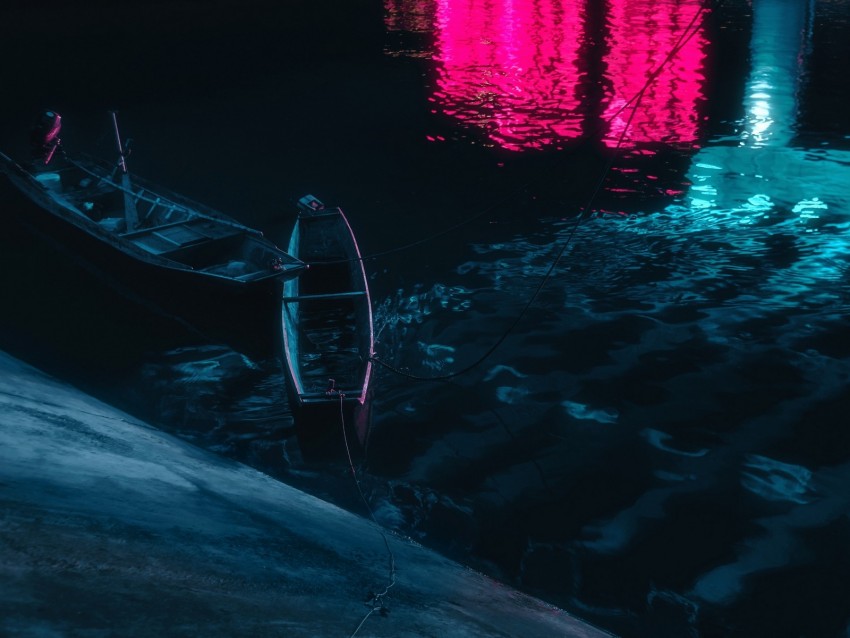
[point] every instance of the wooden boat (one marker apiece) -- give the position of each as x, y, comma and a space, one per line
328, 334
185, 256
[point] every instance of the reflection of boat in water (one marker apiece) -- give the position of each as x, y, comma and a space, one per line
170, 249
328, 333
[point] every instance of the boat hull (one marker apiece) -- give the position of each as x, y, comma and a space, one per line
328, 337
328, 431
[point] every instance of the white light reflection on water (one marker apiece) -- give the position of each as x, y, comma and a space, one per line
777, 53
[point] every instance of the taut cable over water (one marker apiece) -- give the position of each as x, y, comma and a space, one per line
689, 31
634, 102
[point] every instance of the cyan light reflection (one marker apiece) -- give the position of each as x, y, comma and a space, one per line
777, 52
758, 172
787, 229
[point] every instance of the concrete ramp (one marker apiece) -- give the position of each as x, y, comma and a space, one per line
109, 527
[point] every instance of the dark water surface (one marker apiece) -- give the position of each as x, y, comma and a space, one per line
660, 443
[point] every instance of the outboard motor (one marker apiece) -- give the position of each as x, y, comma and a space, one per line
45, 136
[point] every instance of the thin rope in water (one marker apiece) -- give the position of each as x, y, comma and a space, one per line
686, 35
376, 601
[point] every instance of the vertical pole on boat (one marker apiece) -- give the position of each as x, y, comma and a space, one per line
121, 161
131, 216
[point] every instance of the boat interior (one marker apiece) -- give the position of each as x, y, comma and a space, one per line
329, 346
163, 227
326, 308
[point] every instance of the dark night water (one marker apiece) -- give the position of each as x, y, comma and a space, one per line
660, 444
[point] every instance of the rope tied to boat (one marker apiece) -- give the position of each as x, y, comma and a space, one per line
374, 601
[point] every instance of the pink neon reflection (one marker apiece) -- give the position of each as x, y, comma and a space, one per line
514, 68
641, 33
508, 66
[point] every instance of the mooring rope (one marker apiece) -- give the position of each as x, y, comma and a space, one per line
375, 602
686, 35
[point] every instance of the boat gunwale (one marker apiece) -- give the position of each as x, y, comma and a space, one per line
289, 322
63, 208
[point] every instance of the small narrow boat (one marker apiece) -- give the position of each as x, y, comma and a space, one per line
185, 257
143, 222
328, 334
